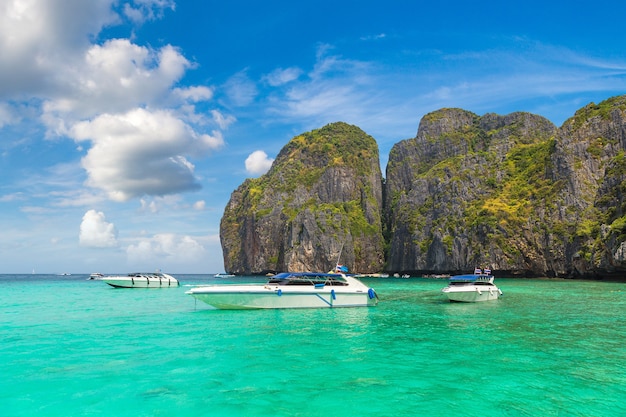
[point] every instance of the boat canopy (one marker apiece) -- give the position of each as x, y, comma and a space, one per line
310, 278
306, 275
465, 278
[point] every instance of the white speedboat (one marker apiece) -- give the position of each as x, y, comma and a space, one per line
96, 275
290, 290
141, 280
472, 288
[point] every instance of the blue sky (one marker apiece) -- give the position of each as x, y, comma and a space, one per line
125, 125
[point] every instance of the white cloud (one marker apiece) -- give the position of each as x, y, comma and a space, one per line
148, 207
52, 71
282, 76
258, 163
116, 77
143, 10
96, 232
194, 94
165, 248
51, 68
222, 121
141, 153
40, 39
6, 115
336, 89
199, 205
12, 197
240, 89
373, 37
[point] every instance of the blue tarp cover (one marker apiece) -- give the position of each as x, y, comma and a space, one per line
305, 274
467, 277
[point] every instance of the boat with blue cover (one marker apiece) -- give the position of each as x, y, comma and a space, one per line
290, 290
471, 288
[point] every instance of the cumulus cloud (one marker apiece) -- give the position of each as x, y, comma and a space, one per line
141, 153
258, 163
96, 232
116, 77
51, 69
39, 40
165, 247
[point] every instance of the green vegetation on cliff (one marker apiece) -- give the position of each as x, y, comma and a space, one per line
512, 191
324, 187
602, 110
524, 185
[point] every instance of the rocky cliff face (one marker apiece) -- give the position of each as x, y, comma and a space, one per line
321, 201
449, 193
589, 162
512, 192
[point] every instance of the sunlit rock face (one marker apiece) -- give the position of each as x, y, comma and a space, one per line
319, 204
513, 193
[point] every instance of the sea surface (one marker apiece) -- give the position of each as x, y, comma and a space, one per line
76, 347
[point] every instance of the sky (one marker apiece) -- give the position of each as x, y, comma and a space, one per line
125, 125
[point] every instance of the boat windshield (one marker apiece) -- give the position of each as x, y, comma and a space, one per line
476, 279
146, 275
307, 278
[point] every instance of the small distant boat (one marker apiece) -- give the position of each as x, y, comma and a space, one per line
96, 275
142, 280
472, 288
224, 275
290, 290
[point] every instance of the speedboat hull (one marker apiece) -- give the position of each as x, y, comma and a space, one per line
472, 293
472, 288
267, 297
141, 280
351, 293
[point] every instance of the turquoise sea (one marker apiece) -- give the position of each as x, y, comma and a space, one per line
74, 347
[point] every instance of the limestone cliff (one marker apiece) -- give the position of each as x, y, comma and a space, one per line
511, 192
322, 196
455, 194
589, 162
